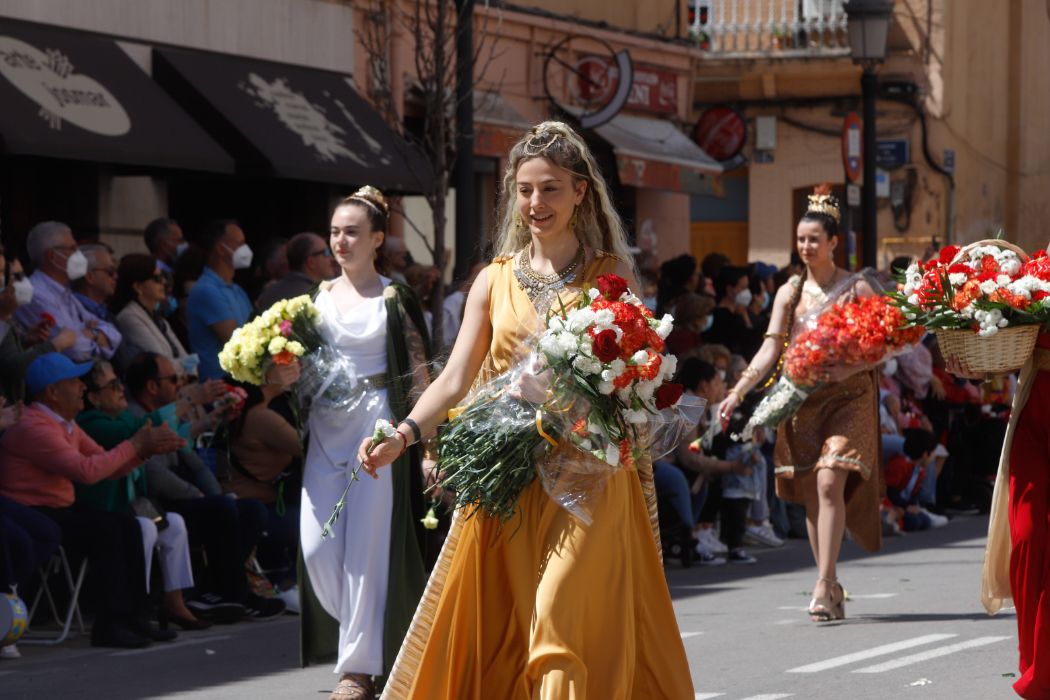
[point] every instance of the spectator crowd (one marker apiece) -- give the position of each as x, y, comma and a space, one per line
123, 443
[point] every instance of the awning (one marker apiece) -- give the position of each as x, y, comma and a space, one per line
290, 121
66, 94
497, 125
655, 154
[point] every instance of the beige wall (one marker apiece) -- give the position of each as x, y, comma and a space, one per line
653, 16
668, 213
315, 33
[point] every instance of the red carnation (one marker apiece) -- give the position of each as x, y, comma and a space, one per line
605, 346
48, 318
668, 395
612, 287
948, 254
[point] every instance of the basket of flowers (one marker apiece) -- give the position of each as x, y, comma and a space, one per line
986, 302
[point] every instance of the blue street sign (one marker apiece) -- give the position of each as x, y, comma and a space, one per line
892, 153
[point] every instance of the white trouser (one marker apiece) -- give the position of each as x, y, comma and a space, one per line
174, 551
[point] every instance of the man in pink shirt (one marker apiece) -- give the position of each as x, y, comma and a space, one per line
40, 459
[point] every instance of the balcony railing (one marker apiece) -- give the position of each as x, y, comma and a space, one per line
770, 28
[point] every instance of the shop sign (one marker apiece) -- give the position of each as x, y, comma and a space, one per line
49, 78
721, 132
652, 90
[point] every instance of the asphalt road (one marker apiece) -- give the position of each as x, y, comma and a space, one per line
914, 629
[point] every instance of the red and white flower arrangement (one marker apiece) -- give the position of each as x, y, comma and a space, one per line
986, 288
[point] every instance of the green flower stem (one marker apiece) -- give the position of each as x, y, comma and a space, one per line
326, 531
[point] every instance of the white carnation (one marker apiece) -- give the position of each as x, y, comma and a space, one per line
989, 286
957, 278
665, 326
635, 417
640, 357
593, 293
606, 387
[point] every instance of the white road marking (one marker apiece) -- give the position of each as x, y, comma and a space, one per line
687, 635
790, 621
173, 645
931, 654
870, 653
874, 596
770, 696
803, 608
708, 696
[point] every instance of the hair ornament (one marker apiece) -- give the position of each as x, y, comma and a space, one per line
371, 197
823, 202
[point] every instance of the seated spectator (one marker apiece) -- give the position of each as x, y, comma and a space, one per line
139, 304
54, 253
678, 277
270, 265
711, 267
740, 486
108, 422
165, 242
188, 269
265, 464
99, 283
718, 356
423, 279
43, 455
395, 258
732, 325
908, 474
228, 528
216, 305
14, 356
28, 539
692, 318
310, 261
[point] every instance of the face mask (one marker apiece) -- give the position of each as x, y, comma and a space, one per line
891, 367
766, 300
722, 374
743, 297
171, 306
650, 303
180, 249
76, 265
242, 257
23, 291
708, 323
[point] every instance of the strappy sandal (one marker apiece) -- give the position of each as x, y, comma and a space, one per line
356, 686
823, 609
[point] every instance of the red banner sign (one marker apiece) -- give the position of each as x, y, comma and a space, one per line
653, 90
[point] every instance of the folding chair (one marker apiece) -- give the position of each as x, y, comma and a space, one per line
59, 563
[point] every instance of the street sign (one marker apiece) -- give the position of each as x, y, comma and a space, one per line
852, 195
882, 183
851, 147
892, 153
949, 160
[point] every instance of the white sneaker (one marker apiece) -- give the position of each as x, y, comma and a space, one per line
935, 520
711, 542
291, 599
763, 535
9, 652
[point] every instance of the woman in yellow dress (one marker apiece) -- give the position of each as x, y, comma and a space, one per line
827, 454
550, 609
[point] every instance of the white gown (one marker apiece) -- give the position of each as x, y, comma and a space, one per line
349, 570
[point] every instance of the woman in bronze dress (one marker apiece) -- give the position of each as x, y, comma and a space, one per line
827, 453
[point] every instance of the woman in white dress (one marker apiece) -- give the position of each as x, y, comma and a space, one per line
369, 574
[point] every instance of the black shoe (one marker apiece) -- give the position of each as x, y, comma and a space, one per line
144, 627
259, 608
212, 608
111, 634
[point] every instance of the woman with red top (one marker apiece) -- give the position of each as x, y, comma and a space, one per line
1017, 560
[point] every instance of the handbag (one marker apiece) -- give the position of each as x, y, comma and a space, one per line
144, 507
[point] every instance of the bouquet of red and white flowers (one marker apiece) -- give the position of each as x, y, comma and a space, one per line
983, 287
607, 399
848, 334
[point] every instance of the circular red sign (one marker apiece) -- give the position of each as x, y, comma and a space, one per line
852, 150
721, 132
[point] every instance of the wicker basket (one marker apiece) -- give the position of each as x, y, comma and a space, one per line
1006, 351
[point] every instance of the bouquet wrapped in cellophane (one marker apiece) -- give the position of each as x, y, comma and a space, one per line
280, 335
848, 333
593, 397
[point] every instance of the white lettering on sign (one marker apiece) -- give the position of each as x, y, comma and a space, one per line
853, 143
47, 78
303, 118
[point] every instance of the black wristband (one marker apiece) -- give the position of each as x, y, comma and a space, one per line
417, 435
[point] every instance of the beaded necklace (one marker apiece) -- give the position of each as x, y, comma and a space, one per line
541, 289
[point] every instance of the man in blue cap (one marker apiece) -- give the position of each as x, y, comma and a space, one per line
42, 456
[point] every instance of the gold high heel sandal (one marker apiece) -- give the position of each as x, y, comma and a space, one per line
825, 609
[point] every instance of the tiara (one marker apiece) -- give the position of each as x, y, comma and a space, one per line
373, 198
824, 204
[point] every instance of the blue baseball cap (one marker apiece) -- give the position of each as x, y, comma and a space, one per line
50, 368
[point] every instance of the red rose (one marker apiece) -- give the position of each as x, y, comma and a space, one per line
606, 348
667, 395
48, 318
612, 286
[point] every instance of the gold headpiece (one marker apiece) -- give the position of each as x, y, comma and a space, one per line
822, 201
540, 138
373, 198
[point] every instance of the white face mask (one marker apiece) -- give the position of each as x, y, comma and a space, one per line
766, 299
891, 367
721, 374
76, 265
180, 249
708, 323
242, 257
23, 291
743, 297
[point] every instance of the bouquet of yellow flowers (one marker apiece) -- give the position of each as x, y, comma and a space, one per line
281, 335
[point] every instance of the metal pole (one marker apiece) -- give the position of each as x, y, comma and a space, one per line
467, 238
869, 223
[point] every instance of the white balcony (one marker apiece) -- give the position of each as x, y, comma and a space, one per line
770, 28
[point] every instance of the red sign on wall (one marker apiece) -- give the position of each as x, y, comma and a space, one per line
653, 90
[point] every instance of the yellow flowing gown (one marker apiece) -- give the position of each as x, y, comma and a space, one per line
546, 608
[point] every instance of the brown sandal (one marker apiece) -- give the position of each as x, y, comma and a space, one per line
354, 686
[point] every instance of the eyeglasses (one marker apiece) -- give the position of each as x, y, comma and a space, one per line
113, 384
326, 252
108, 271
158, 277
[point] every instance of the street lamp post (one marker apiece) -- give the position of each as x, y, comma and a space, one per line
869, 22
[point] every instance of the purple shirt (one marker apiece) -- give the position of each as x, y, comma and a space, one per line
59, 302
